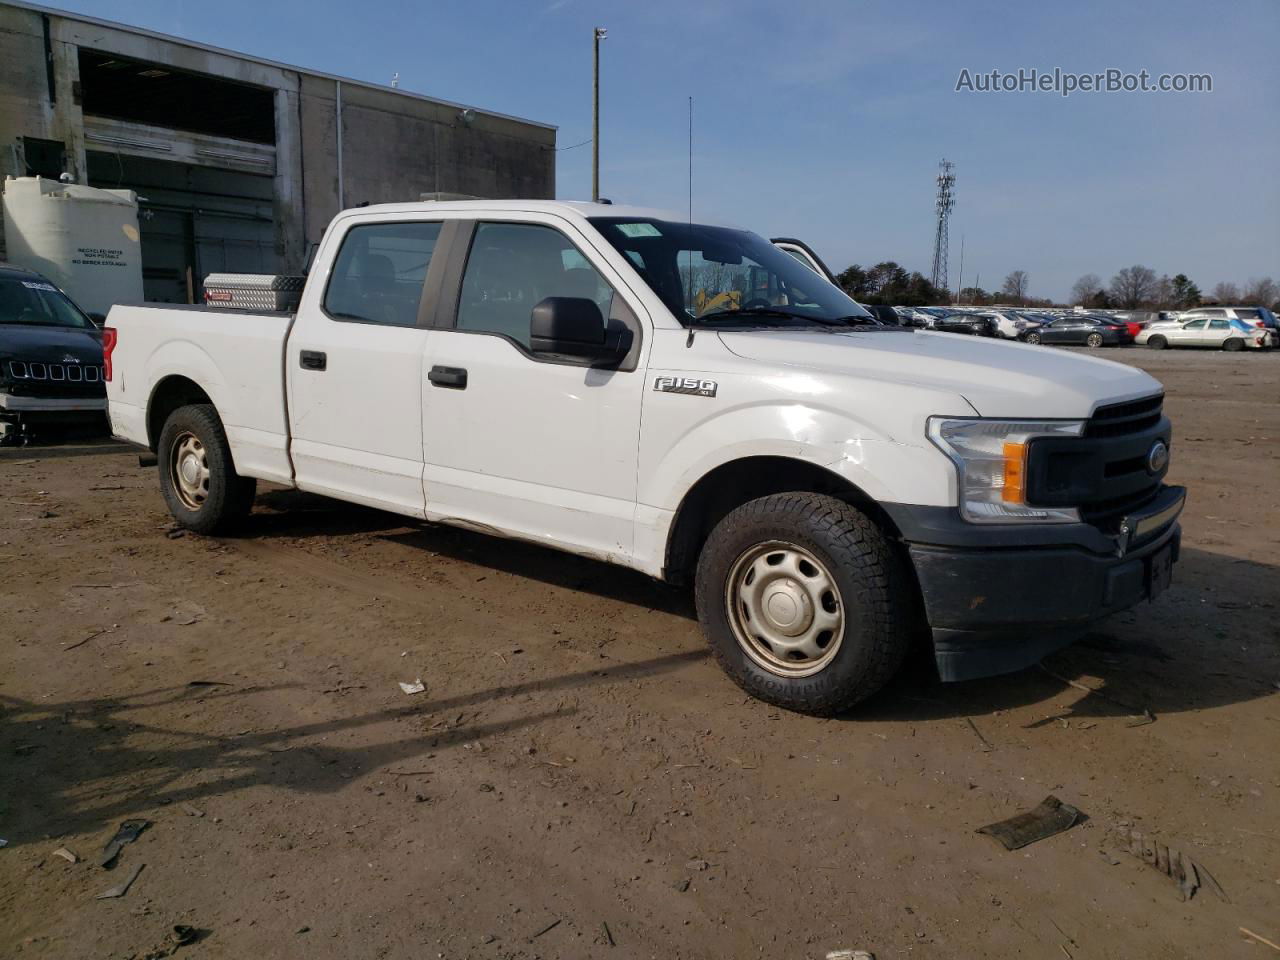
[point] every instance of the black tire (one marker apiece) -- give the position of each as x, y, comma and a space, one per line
875, 599
1093, 340
1157, 342
1033, 338
1233, 344
225, 497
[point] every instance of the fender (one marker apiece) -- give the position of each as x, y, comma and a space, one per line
250, 407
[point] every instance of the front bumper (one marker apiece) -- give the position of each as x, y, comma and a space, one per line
1000, 599
13, 404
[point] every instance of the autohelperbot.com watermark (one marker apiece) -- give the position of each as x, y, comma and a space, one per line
1065, 82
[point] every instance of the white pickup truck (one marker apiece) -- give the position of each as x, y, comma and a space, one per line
686, 400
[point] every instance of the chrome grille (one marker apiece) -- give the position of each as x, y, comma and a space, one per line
61, 372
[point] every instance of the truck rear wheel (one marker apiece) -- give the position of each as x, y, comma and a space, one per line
197, 475
805, 602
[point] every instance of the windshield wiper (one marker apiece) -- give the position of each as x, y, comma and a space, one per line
731, 315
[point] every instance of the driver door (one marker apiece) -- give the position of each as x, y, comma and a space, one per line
537, 446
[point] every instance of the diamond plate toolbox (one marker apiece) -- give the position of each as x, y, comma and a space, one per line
253, 291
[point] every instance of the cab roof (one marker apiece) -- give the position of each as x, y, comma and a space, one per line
572, 209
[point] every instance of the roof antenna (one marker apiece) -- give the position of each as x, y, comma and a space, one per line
689, 270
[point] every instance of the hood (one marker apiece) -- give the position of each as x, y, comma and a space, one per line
997, 378
25, 341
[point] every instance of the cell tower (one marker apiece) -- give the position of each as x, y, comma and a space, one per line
941, 244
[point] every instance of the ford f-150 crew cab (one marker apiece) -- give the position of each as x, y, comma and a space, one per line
686, 400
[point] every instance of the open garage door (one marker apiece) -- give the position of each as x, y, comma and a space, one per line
192, 218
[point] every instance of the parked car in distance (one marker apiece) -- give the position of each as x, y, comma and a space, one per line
51, 366
804, 253
1215, 332
975, 324
885, 314
1089, 331
1254, 316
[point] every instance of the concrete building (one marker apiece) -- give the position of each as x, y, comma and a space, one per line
241, 162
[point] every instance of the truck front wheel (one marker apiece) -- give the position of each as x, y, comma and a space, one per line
197, 475
805, 602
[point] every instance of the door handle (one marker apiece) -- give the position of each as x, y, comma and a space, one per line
455, 377
313, 360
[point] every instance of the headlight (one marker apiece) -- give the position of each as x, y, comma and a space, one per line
991, 463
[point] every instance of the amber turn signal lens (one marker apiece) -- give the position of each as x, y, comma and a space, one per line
1015, 473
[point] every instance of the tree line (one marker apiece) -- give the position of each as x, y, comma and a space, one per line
1132, 288
1138, 286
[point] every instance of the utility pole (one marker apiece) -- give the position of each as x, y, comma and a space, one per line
599, 34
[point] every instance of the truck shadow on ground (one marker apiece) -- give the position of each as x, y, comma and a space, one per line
1198, 646
78, 766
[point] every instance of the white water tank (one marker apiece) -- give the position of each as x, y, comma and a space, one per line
82, 238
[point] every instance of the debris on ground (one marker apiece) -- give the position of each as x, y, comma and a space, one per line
92, 636
121, 888
608, 934
1141, 715
697, 865
192, 811
986, 744
66, 855
1189, 875
547, 929
850, 955
416, 687
1050, 817
1261, 939
127, 833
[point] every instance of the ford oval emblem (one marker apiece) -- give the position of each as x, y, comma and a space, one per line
1157, 457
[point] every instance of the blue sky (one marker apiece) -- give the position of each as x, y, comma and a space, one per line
826, 120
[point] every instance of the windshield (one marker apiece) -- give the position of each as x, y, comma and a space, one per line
732, 275
38, 303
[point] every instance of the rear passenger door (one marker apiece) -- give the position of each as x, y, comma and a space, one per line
354, 365
538, 446
1216, 332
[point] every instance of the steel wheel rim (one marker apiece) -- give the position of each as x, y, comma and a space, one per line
189, 471
785, 609
1094, 340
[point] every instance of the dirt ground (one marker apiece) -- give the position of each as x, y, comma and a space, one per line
578, 779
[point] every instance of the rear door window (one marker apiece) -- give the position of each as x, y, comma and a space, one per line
379, 272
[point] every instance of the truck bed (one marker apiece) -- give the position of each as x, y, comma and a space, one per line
236, 356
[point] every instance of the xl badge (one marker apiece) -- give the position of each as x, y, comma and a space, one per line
691, 386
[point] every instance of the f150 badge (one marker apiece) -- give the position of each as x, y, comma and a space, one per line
691, 386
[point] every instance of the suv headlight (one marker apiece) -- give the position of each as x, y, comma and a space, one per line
991, 464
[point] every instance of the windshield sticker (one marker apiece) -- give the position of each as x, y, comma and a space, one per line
639, 230
39, 286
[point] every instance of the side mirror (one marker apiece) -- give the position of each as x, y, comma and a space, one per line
571, 326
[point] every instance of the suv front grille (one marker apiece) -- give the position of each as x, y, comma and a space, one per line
55, 372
